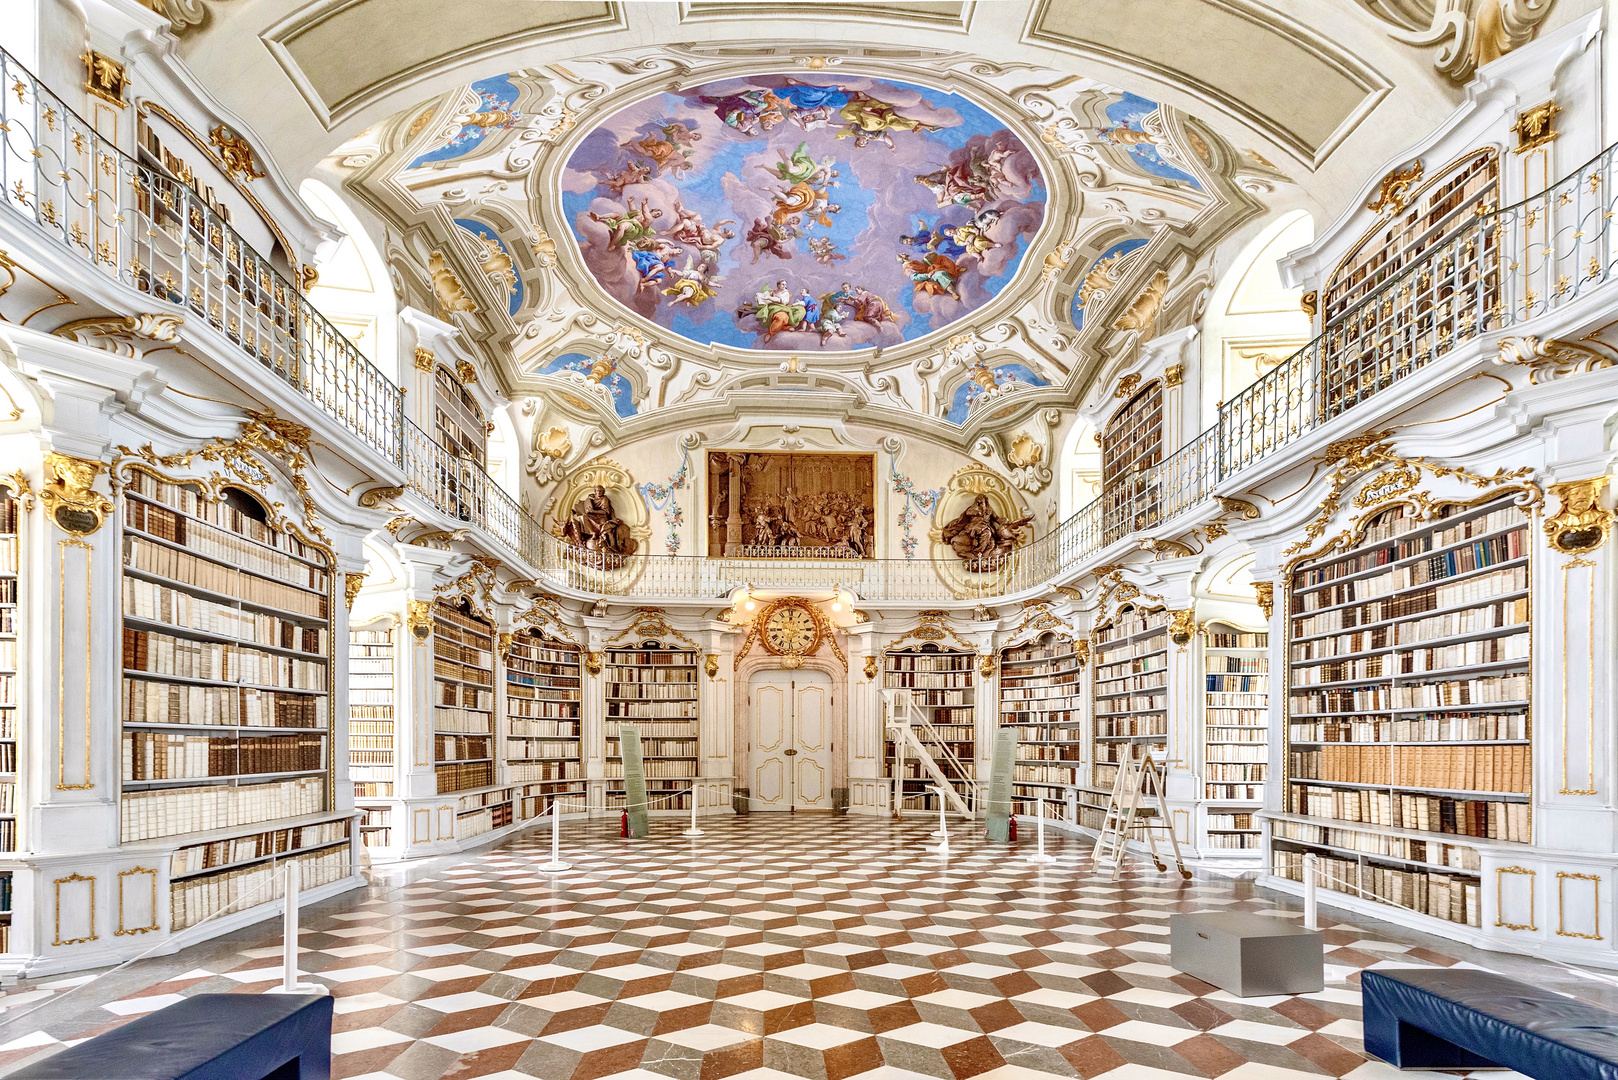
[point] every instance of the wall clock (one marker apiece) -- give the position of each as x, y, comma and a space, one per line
791, 630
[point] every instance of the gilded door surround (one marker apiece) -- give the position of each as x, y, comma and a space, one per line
743, 712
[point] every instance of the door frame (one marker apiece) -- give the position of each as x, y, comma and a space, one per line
741, 732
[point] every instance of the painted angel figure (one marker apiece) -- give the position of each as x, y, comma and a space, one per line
630, 227
933, 276
825, 251
692, 285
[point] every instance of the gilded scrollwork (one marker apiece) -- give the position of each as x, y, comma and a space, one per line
69, 493
1264, 591
378, 497
352, 584
1551, 359
1184, 626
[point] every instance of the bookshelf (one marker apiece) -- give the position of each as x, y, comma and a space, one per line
463, 709
225, 690
205, 877
1130, 691
10, 645
942, 685
654, 687
544, 691
371, 687
1408, 718
1236, 746
1041, 696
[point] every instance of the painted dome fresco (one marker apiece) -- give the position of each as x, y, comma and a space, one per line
803, 212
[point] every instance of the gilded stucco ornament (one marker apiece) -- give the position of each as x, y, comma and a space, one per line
425, 360
69, 494
1184, 626
1534, 127
710, 664
236, 155
1309, 302
121, 334
1582, 524
447, 287
986, 665
419, 618
1467, 35
1264, 591
376, 497
1393, 194
1143, 310
466, 373
352, 584
593, 659
1551, 359
870, 668
1126, 386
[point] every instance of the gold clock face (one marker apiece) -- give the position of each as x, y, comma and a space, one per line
790, 630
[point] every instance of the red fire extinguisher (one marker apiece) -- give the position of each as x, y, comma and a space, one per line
623, 826
1011, 836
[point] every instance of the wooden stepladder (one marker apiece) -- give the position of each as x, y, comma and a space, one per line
1136, 779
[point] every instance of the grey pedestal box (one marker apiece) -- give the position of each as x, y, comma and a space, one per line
1248, 955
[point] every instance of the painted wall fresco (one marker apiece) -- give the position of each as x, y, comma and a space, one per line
600, 371
803, 213
494, 112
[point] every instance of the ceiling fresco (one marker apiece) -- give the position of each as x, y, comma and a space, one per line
803, 213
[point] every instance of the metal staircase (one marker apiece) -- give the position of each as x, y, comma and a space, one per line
911, 733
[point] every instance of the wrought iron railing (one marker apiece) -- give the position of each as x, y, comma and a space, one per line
140, 226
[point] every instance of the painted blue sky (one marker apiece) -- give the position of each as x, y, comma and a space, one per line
675, 151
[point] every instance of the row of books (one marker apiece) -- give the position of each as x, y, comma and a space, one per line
1458, 856
221, 545
191, 860
938, 698
1131, 725
524, 651
1482, 818
161, 654
1130, 623
8, 757
171, 811
1443, 896
155, 602
1235, 665
1480, 691
8, 797
1366, 667
668, 658
1438, 727
1238, 684
194, 899
162, 755
1493, 650
651, 728
147, 701
188, 500
1110, 665
1236, 733
464, 696
460, 748
1037, 676
544, 729
452, 652
1227, 640
960, 662
1050, 649
1235, 792
652, 710
376, 817
1223, 773
372, 756
1463, 768
1036, 752
1231, 841
659, 747
1471, 591
1229, 822
358, 728
545, 708
150, 557
1154, 681
938, 714
453, 669
1043, 774
561, 684
463, 721
652, 691
1498, 615
907, 680
545, 770
1030, 734
460, 625
1040, 715
669, 676
1245, 704
1134, 703
463, 775
1453, 563
661, 769
1228, 751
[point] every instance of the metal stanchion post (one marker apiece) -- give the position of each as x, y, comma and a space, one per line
556, 865
1311, 918
943, 830
693, 830
1040, 856
289, 937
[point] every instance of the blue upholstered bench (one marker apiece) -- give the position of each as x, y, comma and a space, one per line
1443, 1018
207, 1037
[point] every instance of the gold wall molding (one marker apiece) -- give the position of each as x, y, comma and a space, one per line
125, 886
1562, 878
650, 625
1569, 673
73, 879
1500, 873
235, 155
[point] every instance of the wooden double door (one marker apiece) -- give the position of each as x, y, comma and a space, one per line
789, 761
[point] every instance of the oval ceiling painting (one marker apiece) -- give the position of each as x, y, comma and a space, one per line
803, 213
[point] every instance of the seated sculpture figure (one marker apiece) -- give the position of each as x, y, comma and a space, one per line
595, 526
981, 537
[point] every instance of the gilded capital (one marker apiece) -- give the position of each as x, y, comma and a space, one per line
352, 584
1265, 591
1184, 626
1582, 524
1174, 375
425, 359
69, 493
419, 618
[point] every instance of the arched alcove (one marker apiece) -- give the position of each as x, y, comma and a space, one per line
354, 290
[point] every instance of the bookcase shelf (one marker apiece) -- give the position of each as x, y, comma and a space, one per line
544, 691
653, 687
1041, 696
1408, 715
943, 688
371, 747
1130, 689
9, 648
226, 666
463, 712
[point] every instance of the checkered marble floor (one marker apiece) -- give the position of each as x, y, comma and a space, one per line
774, 948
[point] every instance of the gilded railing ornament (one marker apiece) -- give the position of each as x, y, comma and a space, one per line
1582, 524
